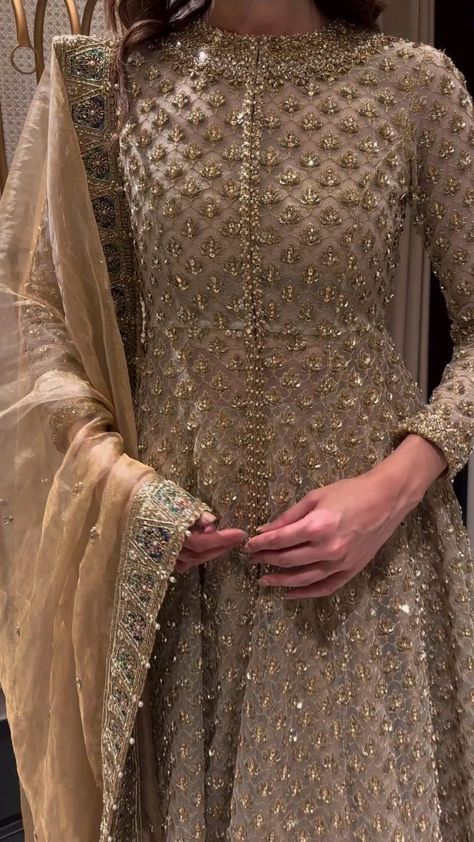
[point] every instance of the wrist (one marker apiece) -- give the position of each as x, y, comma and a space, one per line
410, 469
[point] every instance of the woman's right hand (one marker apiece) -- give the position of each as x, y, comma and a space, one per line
204, 542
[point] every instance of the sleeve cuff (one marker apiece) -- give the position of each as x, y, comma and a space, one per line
453, 439
68, 413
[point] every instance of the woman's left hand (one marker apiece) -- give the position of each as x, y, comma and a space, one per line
332, 533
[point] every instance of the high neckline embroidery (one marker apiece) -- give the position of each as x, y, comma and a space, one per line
300, 38
325, 54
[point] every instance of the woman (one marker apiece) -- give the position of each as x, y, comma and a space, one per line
299, 667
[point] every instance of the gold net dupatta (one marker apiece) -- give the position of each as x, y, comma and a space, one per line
89, 534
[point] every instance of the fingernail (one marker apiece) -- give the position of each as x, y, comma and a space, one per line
263, 526
188, 532
208, 517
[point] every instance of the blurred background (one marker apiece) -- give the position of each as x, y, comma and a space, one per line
421, 325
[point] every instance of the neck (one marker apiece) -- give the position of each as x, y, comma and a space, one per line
266, 17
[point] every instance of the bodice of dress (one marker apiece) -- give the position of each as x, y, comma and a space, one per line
268, 179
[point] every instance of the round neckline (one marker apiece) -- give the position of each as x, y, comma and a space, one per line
218, 32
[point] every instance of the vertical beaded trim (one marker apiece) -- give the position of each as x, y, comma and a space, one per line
251, 266
87, 66
158, 517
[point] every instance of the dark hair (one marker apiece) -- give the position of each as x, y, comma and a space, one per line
141, 20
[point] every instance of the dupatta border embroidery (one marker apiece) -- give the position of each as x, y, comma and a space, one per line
158, 517
160, 512
87, 66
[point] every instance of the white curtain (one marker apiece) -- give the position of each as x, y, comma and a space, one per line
409, 312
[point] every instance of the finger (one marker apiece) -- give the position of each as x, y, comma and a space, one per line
292, 535
206, 518
319, 589
303, 554
182, 566
205, 530
302, 576
199, 541
206, 555
314, 526
293, 513
194, 559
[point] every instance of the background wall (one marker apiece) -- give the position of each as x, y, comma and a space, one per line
23, 52
413, 19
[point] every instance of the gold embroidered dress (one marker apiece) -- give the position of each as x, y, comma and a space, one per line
266, 180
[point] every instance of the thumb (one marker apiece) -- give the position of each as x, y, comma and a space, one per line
293, 513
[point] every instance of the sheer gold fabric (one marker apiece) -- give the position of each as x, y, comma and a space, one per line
78, 508
268, 179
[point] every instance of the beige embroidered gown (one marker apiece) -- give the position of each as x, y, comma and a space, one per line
268, 180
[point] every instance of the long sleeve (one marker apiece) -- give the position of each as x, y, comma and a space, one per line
442, 194
48, 346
